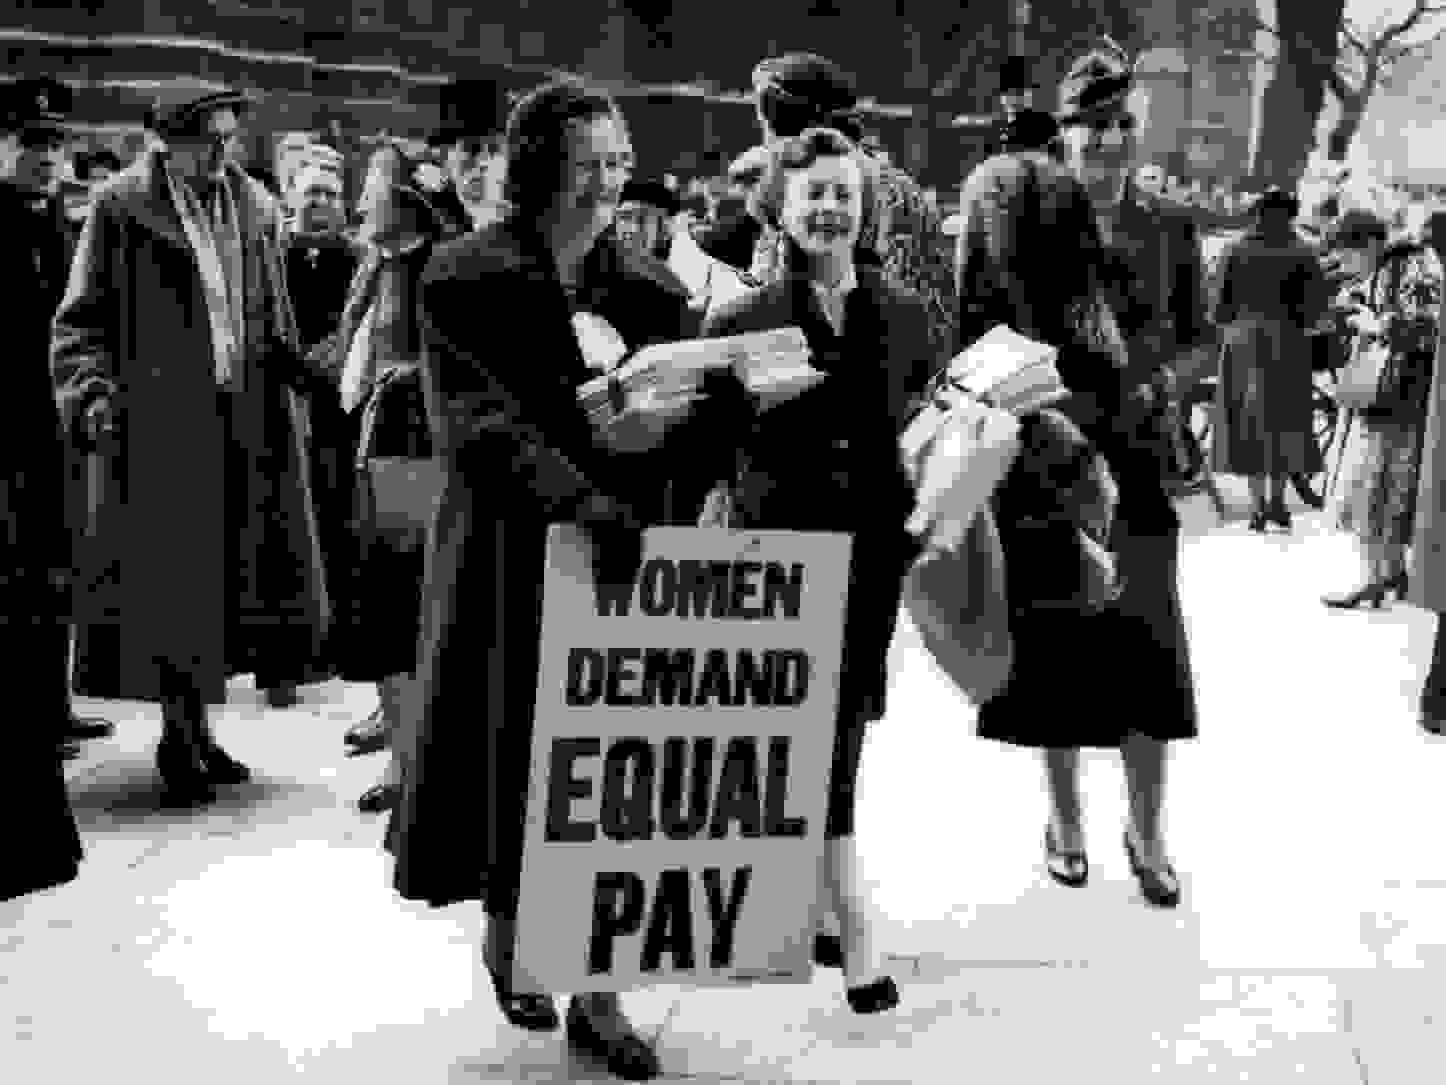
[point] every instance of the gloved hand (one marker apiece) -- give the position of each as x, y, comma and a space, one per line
616, 536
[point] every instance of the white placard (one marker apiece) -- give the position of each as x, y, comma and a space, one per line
680, 762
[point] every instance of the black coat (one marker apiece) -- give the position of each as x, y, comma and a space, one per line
829, 460
35, 545
515, 463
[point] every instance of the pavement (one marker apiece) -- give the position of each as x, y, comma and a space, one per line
258, 940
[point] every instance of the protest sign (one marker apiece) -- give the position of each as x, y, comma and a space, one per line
680, 761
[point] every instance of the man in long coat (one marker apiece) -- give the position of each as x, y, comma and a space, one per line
174, 353
35, 547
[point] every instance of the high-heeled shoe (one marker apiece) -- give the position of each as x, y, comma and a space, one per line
873, 997
182, 769
1374, 594
626, 1054
1258, 521
378, 798
1159, 885
1071, 868
1399, 585
535, 1013
1279, 514
221, 767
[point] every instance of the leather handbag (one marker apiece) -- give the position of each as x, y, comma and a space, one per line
397, 495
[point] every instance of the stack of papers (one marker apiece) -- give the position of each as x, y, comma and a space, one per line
773, 365
1008, 370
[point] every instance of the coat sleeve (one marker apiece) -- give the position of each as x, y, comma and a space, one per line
1188, 293
86, 327
1225, 308
475, 420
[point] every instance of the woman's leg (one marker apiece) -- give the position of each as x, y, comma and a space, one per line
1144, 759
848, 896
1062, 779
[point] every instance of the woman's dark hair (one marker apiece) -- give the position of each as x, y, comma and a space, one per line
536, 140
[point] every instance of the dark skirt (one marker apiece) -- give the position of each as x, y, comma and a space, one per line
376, 588
1087, 681
1264, 420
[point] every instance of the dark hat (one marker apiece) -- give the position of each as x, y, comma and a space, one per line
810, 78
1016, 75
1097, 83
1029, 130
31, 104
1356, 228
180, 106
1275, 198
470, 109
654, 194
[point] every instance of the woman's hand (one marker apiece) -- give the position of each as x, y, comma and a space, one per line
647, 417
101, 420
616, 535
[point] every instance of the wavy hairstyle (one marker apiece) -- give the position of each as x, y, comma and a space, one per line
801, 152
535, 143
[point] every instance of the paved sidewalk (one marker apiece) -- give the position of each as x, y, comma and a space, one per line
258, 941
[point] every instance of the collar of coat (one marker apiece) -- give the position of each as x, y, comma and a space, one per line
140, 193
515, 244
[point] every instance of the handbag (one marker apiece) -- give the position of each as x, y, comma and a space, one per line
397, 495
1359, 383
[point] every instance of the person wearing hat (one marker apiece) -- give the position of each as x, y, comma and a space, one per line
36, 548
1270, 292
469, 142
42, 239
906, 234
175, 360
1391, 296
1141, 256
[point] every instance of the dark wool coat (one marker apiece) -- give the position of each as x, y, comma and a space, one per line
829, 461
200, 552
519, 455
1069, 667
35, 548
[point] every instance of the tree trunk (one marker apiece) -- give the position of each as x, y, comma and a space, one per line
1343, 132
1305, 50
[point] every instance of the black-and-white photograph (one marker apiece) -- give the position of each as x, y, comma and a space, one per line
836, 542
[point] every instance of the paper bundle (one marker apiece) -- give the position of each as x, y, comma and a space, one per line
1009, 370
956, 468
773, 365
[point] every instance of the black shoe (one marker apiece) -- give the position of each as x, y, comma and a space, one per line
84, 730
828, 951
222, 768
1306, 492
282, 696
68, 751
184, 780
1071, 868
379, 798
1374, 594
875, 997
1258, 521
1280, 514
1433, 725
535, 1013
371, 735
1160, 887
627, 1056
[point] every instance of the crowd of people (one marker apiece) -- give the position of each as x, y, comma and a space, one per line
289, 439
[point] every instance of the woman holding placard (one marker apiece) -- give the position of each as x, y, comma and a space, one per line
827, 460
504, 357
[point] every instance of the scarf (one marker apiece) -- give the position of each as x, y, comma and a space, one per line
386, 333
214, 233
